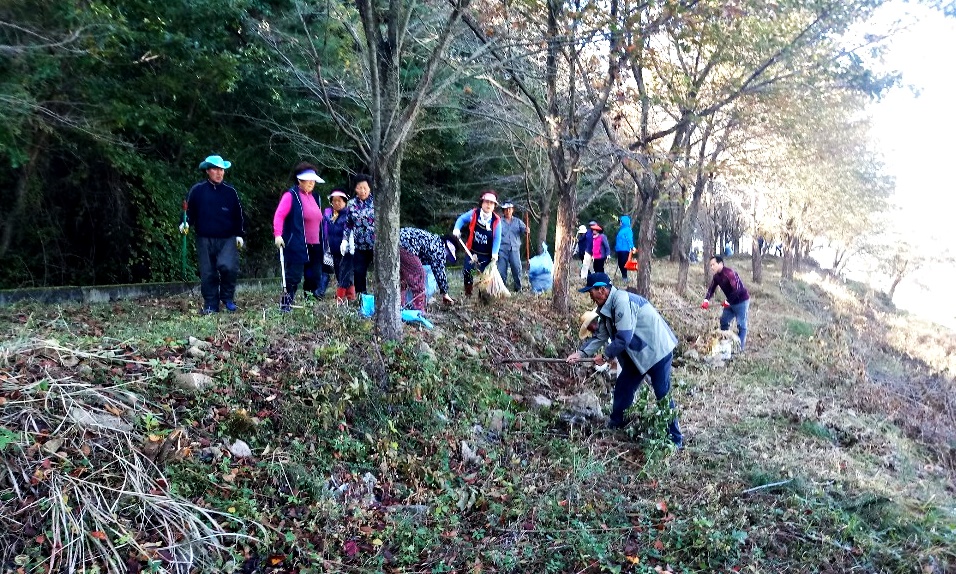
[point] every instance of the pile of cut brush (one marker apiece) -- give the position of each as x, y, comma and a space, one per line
490, 285
716, 349
83, 486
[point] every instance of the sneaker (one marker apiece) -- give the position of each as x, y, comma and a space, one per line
208, 310
231, 306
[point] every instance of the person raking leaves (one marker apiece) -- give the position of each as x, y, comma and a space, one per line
737, 304
632, 331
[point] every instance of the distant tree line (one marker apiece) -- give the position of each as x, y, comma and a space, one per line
701, 119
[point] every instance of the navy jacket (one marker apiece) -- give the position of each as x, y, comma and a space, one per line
214, 210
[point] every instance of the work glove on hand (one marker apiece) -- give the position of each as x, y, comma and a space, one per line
352, 243
494, 259
725, 304
184, 228
344, 247
280, 243
240, 243
474, 259
705, 304
456, 233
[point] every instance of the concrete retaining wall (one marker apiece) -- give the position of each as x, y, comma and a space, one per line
107, 293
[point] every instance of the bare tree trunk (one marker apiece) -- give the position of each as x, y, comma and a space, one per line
388, 301
790, 247
892, 292
646, 235
545, 222
687, 231
701, 182
756, 261
678, 219
564, 236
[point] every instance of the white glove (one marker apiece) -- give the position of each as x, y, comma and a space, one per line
240, 243
184, 228
474, 259
602, 368
456, 232
494, 259
344, 248
280, 243
352, 243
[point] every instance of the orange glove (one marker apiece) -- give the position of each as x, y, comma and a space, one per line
725, 304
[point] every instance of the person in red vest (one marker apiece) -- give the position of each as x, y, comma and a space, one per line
483, 236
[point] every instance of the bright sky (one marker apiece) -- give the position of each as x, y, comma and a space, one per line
915, 127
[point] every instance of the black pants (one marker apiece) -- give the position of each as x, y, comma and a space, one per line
622, 257
362, 260
218, 269
630, 379
311, 270
344, 275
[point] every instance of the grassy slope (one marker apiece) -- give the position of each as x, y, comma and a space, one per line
358, 460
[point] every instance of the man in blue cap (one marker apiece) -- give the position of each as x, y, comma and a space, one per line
641, 341
213, 208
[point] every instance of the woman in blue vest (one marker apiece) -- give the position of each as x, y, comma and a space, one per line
297, 230
483, 236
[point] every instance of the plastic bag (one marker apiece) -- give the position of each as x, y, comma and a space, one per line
631, 263
413, 316
540, 271
367, 309
431, 286
367, 305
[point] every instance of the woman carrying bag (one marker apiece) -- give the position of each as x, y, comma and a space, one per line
624, 246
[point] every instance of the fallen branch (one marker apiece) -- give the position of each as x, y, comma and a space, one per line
763, 486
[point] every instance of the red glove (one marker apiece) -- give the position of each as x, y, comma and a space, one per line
725, 304
705, 304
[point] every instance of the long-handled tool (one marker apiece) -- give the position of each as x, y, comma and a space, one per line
545, 360
465, 247
184, 241
282, 267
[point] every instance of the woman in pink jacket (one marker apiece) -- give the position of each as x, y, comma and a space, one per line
296, 226
600, 248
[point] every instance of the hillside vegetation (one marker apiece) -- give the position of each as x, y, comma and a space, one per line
829, 446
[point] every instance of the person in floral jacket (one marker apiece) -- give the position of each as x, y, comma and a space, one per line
360, 231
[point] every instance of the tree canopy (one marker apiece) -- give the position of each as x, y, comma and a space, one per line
577, 110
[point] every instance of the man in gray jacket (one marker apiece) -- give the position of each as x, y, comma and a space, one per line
641, 341
512, 229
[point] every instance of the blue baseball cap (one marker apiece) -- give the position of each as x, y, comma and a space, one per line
595, 280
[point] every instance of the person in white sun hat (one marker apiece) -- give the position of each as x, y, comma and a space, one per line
297, 229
